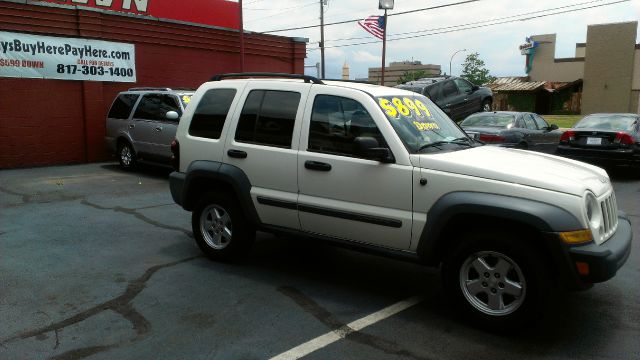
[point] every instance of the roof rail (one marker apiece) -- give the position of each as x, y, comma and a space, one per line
306, 78
352, 81
150, 88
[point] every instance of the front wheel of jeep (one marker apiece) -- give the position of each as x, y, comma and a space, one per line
496, 280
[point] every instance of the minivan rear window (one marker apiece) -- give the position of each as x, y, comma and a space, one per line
122, 106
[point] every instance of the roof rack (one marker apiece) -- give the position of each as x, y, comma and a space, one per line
352, 81
306, 78
159, 89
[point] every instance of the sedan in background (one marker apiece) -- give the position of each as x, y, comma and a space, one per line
519, 130
604, 139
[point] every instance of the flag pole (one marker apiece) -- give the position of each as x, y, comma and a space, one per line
384, 46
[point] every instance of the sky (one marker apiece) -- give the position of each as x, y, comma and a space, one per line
497, 45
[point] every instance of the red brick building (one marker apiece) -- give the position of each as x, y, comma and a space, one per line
46, 121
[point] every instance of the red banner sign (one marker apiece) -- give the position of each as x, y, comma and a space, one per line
223, 13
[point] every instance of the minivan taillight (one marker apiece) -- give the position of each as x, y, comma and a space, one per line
489, 138
568, 136
624, 138
175, 154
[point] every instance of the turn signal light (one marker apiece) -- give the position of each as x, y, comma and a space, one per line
488, 138
568, 136
624, 138
583, 268
576, 237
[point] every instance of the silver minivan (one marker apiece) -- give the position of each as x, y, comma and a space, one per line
142, 123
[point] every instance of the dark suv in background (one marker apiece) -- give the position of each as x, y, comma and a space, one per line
457, 97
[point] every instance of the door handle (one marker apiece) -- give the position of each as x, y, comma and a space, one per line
317, 165
239, 154
131, 126
159, 128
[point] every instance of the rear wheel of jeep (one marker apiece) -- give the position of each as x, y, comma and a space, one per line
220, 228
496, 279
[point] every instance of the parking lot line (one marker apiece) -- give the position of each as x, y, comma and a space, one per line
357, 325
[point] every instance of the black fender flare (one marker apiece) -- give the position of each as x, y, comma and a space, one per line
225, 173
544, 217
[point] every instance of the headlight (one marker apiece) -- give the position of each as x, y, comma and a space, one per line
594, 213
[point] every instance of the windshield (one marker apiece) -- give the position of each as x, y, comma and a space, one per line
608, 122
419, 123
490, 119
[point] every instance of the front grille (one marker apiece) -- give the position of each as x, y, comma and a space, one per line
610, 214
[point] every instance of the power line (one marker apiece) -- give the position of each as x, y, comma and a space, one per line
473, 23
281, 12
354, 20
480, 26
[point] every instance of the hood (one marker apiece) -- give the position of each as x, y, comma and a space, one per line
521, 167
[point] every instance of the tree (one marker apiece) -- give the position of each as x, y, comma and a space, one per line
473, 70
411, 76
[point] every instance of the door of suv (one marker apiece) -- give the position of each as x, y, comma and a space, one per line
471, 102
152, 132
453, 100
264, 145
342, 194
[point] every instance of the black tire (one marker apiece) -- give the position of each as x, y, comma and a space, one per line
229, 235
486, 106
479, 300
523, 146
126, 155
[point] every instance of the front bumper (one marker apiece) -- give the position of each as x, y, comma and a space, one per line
604, 260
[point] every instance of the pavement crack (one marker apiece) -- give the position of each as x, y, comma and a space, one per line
138, 216
342, 329
121, 305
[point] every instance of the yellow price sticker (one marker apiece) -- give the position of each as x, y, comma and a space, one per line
186, 99
426, 126
405, 107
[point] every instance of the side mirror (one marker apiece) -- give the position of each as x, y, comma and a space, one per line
369, 148
553, 127
172, 115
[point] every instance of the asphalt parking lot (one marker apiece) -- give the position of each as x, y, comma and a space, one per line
99, 263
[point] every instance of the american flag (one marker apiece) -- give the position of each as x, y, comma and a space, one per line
373, 25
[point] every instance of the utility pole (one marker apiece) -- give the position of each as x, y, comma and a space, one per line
322, 4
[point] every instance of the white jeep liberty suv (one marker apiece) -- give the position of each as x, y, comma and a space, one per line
385, 170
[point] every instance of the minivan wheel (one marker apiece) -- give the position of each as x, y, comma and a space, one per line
220, 228
126, 156
497, 280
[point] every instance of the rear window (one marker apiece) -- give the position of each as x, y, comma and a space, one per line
268, 118
211, 113
122, 106
492, 120
609, 122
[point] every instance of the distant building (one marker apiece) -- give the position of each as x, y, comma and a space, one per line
608, 65
345, 71
395, 70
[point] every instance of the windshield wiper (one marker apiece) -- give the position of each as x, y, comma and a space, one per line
463, 141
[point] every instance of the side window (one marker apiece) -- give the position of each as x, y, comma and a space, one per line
156, 106
335, 123
122, 106
520, 122
540, 122
529, 123
433, 92
268, 117
449, 89
211, 112
464, 86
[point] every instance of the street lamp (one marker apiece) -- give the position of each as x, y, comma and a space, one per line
384, 5
454, 54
